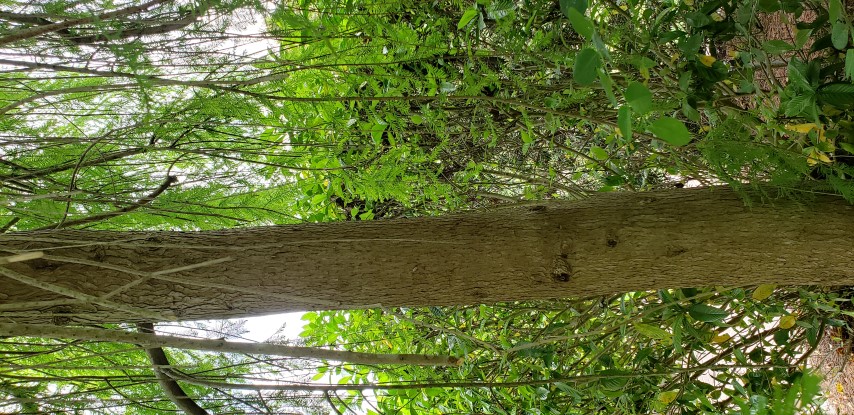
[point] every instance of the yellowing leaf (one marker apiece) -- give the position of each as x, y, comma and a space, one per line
816, 157
716, 17
721, 338
668, 397
706, 60
763, 291
839, 387
787, 322
821, 137
801, 128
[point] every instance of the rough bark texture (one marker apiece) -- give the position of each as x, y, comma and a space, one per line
606, 244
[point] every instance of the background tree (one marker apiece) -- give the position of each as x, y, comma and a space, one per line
218, 114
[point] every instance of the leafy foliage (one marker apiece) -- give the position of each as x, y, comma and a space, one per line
684, 351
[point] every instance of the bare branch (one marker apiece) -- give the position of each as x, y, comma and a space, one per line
173, 390
107, 215
55, 27
153, 340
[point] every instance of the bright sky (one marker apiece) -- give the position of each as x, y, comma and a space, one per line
264, 327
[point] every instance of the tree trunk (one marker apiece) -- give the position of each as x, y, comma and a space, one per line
606, 244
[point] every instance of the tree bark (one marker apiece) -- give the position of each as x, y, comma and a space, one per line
602, 245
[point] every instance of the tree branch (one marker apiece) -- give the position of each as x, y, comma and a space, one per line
173, 390
55, 27
101, 216
156, 340
320, 387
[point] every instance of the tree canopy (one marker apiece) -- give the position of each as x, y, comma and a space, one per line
217, 114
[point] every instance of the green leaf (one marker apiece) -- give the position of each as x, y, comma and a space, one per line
849, 64
838, 94
563, 387
689, 111
651, 331
639, 97
799, 103
567, 5
834, 10
616, 382
802, 36
624, 121
839, 35
587, 65
377, 131
776, 47
608, 86
581, 23
707, 313
600, 46
468, 16
671, 131
797, 73
599, 153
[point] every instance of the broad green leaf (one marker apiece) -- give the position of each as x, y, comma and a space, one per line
763, 291
689, 111
839, 35
651, 331
613, 379
707, 313
838, 94
671, 131
599, 153
639, 97
563, 387
468, 16
586, 67
624, 121
797, 73
802, 36
567, 5
776, 47
799, 103
581, 23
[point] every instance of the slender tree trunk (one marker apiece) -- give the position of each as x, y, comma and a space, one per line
606, 244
